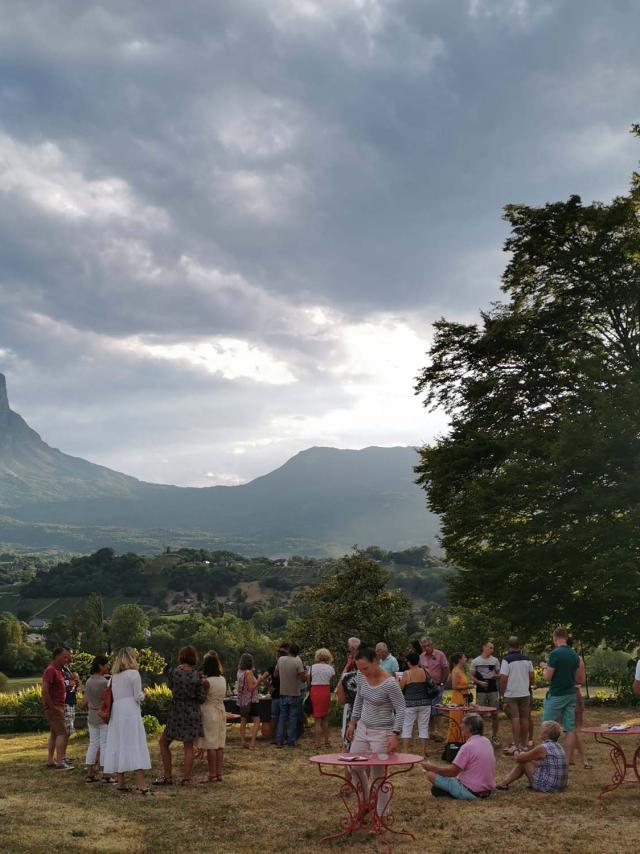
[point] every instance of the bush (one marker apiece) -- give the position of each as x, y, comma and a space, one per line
21, 706
151, 724
156, 702
4, 681
609, 667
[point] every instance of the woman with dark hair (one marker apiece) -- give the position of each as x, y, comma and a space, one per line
93, 692
376, 720
214, 717
184, 721
460, 688
414, 685
248, 704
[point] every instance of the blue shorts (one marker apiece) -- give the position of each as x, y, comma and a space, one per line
561, 709
454, 787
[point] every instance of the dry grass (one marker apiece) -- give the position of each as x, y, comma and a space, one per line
274, 800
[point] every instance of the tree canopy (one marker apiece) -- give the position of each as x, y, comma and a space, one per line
538, 480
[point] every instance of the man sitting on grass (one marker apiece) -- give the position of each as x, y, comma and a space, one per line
545, 765
473, 773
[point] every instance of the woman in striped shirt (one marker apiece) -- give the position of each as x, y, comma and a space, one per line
376, 720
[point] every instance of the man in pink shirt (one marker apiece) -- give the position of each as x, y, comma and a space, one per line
473, 773
435, 663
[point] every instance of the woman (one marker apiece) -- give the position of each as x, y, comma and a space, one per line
184, 721
126, 748
248, 702
460, 688
320, 675
545, 765
376, 720
93, 693
414, 684
579, 743
214, 717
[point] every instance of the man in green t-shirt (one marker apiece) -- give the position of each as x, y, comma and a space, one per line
564, 673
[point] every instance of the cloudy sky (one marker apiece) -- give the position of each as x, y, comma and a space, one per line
226, 226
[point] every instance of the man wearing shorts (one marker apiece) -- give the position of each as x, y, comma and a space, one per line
516, 679
53, 701
485, 672
563, 671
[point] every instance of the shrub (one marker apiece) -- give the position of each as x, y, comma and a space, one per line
151, 724
609, 667
24, 709
4, 681
156, 702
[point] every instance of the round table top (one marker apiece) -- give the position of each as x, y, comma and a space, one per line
374, 759
481, 710
630, 729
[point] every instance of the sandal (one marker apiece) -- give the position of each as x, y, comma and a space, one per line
185, 782
587, 765
146, 793
504, 787
90, 779
163, 781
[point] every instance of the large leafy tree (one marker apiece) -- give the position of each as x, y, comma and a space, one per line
128, 627
538, 480
352, 601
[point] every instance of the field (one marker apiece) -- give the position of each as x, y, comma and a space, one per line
274, 801
47, 608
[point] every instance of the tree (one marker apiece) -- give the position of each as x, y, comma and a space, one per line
538, 481
93, 635
352, 601
128, 627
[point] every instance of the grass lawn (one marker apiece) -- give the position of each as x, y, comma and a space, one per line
273, 800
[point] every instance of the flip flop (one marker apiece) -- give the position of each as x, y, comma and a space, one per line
504, 787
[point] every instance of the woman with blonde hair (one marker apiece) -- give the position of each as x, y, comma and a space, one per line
126, 748
214, 717
320, 675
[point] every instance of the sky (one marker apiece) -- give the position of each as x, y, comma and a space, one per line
227, 227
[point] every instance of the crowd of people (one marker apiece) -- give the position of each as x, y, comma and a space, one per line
384, 699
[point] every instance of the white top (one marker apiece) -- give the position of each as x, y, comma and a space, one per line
518, 672
127, 685
638, 670
321, 673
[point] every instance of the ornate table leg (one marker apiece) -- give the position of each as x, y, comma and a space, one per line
382, 822
619, 762
353, 820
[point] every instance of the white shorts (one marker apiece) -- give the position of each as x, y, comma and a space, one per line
413, 714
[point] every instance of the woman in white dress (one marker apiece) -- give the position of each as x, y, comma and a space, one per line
214, 717
126, 748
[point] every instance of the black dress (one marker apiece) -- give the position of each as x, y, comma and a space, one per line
184, 722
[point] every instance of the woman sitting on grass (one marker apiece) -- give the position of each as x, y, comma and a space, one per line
126, 748
545, 766
184, 721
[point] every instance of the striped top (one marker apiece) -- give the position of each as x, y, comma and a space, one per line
379, 706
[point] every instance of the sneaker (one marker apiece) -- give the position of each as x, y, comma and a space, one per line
496, 741
509, 751
64, 767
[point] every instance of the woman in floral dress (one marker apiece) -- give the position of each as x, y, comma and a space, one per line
184, 721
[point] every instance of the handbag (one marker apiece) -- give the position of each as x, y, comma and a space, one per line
431, 690
450, 751
104, 712
307, 705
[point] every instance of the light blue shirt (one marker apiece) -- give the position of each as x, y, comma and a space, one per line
390, 664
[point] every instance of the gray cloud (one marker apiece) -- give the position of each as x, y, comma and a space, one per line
189, 175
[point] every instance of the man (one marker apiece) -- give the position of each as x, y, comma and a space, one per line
386, 661
473, 772
53, 701
485, 672
564, 670
274, 683
636, 681
290, 671
353, 645
435, 663
516, 679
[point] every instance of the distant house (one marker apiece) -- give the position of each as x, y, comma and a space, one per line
281, 561
37, 623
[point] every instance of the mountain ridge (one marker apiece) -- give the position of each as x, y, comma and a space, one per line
336, 496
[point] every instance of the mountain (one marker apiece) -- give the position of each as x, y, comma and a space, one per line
322, 501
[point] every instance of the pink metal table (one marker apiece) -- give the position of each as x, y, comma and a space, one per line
445, 711
605, 735
357, 812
